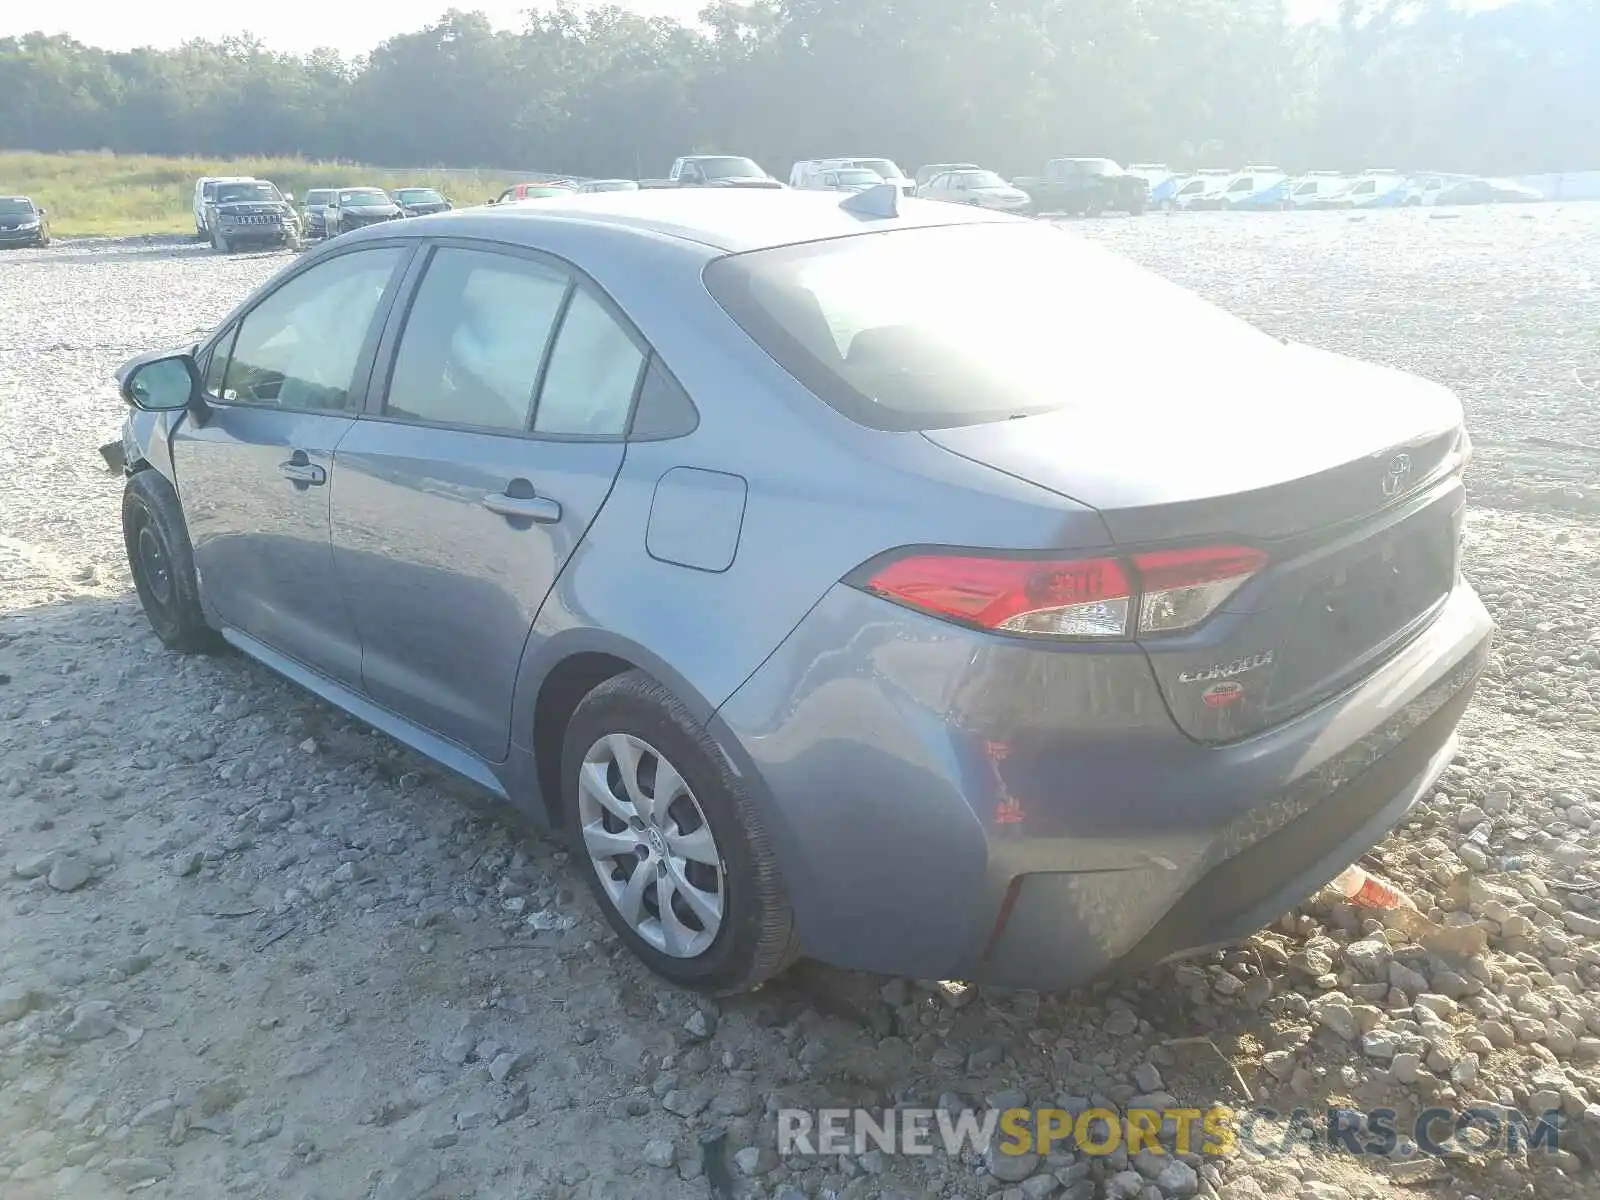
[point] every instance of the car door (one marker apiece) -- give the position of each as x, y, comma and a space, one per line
492, 438
284, 380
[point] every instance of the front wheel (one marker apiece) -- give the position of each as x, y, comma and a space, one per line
677, 856
162, 562
220, 243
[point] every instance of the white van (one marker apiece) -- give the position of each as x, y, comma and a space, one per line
203, 189
807, 172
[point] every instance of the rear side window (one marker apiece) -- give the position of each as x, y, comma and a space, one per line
475, 340
954, 325
593, 374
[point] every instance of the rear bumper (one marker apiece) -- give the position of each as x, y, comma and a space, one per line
949, 805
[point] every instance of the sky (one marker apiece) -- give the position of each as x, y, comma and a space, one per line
292, 25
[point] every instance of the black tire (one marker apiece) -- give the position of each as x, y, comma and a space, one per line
757, 937
162, 562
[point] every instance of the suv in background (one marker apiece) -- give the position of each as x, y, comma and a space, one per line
205, 190
1085, 187
251, 212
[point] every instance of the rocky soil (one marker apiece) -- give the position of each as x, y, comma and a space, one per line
249, 948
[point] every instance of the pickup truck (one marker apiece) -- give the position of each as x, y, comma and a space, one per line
1085, 187
713, 170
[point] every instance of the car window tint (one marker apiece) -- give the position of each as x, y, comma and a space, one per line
474, 340
299, 347
593, 372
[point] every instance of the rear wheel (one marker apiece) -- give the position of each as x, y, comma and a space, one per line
162, 562
677, 857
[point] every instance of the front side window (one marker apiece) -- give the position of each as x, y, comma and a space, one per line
298, 348
474, 340
593, 373
1242, 185
871, 325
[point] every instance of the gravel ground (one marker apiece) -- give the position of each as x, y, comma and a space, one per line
248, 948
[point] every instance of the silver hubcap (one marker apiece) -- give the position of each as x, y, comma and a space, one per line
651, 845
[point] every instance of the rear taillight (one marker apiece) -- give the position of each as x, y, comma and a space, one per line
1154, 592
1181, 588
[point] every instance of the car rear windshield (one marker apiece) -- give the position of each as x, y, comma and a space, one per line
15, 207
728, 168
929, 328
880, 167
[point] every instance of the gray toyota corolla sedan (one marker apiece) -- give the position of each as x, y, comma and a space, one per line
812, 564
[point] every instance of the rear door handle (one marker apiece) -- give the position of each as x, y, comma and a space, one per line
527, 508
301, 471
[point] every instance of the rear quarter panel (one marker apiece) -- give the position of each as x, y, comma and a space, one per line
821, 496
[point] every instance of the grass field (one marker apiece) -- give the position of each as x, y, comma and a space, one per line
115, 194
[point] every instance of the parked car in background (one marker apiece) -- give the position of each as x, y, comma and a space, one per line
609, 185
355, 207
251, 213
1374, 189
1085, 187
313, 212
1487, 191
926, 173
1160, 180
23, 223
1255, 188
845, 179
535, 191
979, 188
1317, 189
715, 171
1010, 684
205, 189
1198, 191
420, 201
885, 169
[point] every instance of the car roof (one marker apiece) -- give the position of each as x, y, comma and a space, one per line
732, 220
4, 197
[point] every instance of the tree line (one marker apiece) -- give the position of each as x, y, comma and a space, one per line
1408, 84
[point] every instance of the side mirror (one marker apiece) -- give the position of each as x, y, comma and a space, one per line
289, 196
163, 384
43, 211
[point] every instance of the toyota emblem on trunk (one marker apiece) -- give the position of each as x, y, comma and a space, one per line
1394, 480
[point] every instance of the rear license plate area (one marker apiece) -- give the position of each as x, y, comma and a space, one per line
1363, 606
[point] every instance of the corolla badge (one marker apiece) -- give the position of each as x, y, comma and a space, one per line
1227, 670
1395, 478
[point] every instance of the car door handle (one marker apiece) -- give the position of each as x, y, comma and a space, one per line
302, 472
527, 508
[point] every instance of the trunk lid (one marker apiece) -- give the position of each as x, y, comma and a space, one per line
1345, 473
